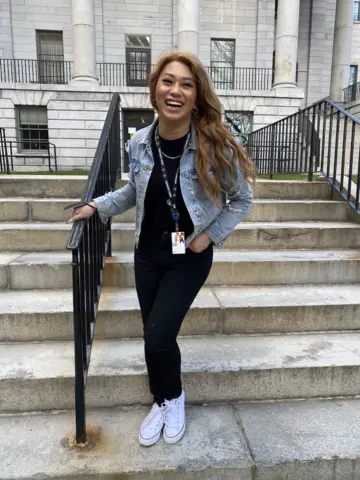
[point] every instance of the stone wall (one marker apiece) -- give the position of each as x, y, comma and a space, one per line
133, 17
250, 23
76, 117
321, 49
355, 53
75, 121
30, 15
6, 47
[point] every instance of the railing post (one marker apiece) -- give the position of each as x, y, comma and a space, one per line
272, 151
79, 368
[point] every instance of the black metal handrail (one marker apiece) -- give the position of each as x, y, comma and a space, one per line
352, 93
4, 156
122, 74
322, 138
241, 78
90, 242
13, 70
15, 149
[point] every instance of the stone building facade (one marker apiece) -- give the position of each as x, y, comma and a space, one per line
60, 61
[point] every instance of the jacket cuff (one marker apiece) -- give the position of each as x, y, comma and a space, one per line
214, 234
100, 204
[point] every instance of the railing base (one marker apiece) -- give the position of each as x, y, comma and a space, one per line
92, 440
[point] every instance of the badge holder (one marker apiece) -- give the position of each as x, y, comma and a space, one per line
177, 238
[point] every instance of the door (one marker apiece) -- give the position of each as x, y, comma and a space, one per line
134, 120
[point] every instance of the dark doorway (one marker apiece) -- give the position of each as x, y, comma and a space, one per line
134, 120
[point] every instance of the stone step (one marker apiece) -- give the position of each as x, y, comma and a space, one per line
30, 237
40, 376
265, 210
46, 186
52, 270
312, 439
48, 315
213, 447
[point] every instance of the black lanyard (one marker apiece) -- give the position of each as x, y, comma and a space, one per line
171, 201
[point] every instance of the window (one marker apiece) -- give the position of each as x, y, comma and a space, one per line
351, 92
32, 128
356, 11
50, 53
240, 124
138, 60
353, 74
222, 63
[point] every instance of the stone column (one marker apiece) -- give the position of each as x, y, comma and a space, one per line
342, 49
188, 26
84, 41
286, 50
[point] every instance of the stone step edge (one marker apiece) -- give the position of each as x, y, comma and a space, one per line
220, 255
250, 225
43, 361
247, 436
267, 201
210, 297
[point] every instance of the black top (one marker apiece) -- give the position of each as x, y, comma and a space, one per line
157, 216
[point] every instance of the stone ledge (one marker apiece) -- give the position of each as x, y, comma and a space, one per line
312, 440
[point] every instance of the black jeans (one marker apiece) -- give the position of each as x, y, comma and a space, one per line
166, 286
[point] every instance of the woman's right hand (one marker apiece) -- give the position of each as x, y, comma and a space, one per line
83, 212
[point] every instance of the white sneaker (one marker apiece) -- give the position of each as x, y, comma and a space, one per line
150, 430
174, 414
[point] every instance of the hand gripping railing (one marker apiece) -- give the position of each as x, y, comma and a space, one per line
90, 242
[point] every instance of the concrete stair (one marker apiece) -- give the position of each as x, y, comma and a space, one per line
271, 355
28, 237
309, 439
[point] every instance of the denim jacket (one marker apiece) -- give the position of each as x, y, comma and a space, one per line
217, 221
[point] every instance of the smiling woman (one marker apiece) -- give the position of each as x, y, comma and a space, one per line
175, 99
189, 180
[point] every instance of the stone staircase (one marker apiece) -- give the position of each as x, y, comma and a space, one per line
271, 347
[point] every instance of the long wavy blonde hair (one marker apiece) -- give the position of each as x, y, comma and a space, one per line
214, 140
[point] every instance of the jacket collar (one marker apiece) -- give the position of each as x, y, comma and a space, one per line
147, 133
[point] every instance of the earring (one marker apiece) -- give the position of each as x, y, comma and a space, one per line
195, 111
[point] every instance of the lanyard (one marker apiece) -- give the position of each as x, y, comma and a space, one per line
171, 201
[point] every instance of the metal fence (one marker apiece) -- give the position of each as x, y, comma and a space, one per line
238, 78
322, 138
11, 149
35, 71
90, 242
122, 74
4, 155
352, 93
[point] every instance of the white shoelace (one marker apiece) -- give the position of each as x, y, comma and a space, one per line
168, 408
154, 412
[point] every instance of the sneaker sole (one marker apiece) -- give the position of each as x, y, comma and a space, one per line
177, 437
148, 442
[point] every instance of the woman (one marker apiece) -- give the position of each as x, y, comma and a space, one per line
182, 169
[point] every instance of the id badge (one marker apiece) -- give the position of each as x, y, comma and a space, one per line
178, 242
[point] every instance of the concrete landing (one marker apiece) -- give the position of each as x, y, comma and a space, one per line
306, 440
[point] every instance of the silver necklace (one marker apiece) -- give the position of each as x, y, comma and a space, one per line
171, 158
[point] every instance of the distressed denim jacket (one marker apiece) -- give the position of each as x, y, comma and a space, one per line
217, 221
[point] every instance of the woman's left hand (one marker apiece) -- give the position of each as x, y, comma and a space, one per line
200, 243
